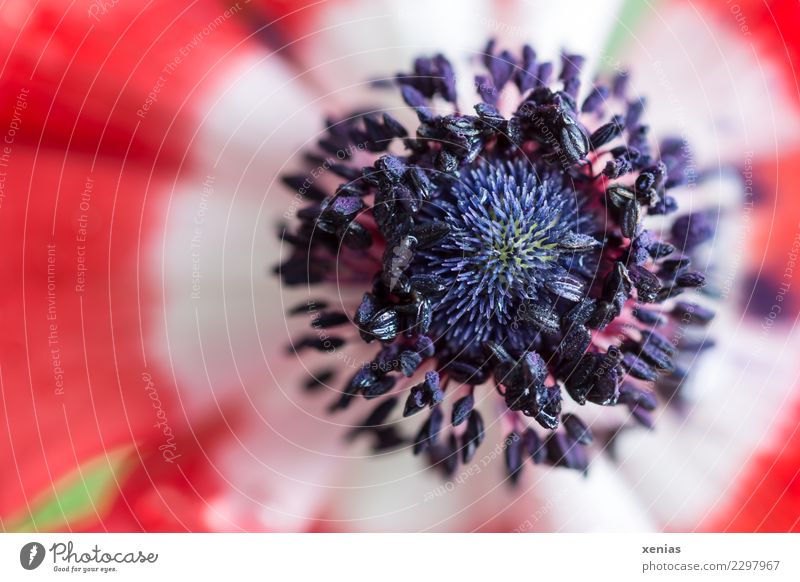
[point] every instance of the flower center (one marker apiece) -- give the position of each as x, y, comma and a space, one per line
511, 223
518, 246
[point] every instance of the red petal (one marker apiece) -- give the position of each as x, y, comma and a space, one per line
768, 499
771, 26
92, 73
74, 350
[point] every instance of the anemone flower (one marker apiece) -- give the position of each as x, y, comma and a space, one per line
399, 266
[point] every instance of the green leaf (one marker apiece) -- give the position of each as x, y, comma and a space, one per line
83, 494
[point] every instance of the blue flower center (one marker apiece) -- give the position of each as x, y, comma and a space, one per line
513, 232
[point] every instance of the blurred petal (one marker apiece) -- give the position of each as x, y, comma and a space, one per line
73, 300
553, 27
705, 84
348, 42
689, 468
90, 91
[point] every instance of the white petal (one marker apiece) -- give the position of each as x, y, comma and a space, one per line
278, 466
709, 85
219, 241
684, 469
601, 502
575, 26
350, 43
398, 493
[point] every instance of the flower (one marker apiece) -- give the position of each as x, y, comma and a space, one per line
506, 249
175, 348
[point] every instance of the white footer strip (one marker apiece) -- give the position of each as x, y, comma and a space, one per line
401, 557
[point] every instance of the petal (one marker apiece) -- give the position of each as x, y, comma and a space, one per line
224, 317
344, 44
218, 243
707, 85
580, 27
690, 467
767, 494
75, 367
90, 90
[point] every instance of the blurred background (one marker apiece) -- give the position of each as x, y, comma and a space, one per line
144, 381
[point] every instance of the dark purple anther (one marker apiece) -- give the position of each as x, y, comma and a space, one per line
691, 230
